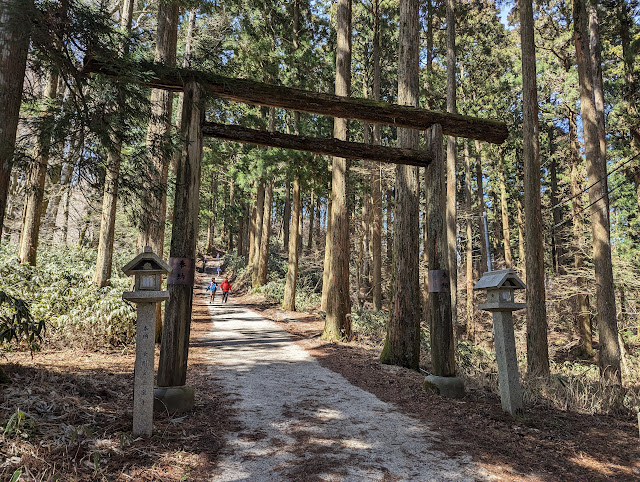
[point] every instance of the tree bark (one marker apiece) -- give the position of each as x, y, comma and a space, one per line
506, 232
54, 203
211, 222
172, 366
376, 178
581, 301
158, 134
481, 209
470, 324
37, 176
521, 246
557, 251
312, 206
402, 342
229, 216
263, 254
452, 227
390, 195
15, 29
104, 259
598, 89
327, 253
338, 321
537, 344
609, 359
257, 240
286, 218
289, 302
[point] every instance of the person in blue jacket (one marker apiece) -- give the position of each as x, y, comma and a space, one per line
213, 287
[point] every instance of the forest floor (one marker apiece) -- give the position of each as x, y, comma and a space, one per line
76, 420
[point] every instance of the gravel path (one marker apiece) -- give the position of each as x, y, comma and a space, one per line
304, 422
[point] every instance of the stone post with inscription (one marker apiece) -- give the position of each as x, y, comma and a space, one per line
147, 269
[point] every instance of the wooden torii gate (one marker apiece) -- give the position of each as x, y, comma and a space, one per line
175, 336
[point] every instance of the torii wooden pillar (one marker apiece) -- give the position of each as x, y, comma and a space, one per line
172, 367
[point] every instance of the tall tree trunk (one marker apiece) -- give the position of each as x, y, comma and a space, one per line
366, 242
598, 89
240, 244
390, 195
338, 321
259, 221
556, 241
318, 220
470, 325
521, 246
289, 301
286, 218
158, 133
65, 213
172, 366
506, 232
497, 219
37, 176
54, 204
599, 200
312, 209
376, 178
402, 343
211, 222
229, 215
102, 273
452, 155
15, 29
581, 301
632, 119
481, 209
263, 255
537, 344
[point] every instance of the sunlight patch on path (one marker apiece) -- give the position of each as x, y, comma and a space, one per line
302, 420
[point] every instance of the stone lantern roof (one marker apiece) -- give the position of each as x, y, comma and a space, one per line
502, 278
147, 262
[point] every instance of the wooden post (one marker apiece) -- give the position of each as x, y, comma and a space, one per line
439, 297
172, 368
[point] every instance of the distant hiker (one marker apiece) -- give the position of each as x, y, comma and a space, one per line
204, 264
213, 287
225, 286
218, 270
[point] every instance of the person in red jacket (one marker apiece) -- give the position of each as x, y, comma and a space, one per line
225, 286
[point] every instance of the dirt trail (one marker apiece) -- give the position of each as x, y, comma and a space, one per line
304, 422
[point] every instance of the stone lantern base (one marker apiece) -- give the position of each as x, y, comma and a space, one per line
173, 399
451, 387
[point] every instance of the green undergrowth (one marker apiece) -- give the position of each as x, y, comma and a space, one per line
308, 296
59, 292
306, 300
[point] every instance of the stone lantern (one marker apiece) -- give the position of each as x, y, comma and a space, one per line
501, 286
147, 269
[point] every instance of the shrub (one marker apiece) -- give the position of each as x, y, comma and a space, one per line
17, 324
61, 295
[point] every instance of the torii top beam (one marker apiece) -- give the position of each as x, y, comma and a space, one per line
248, 91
